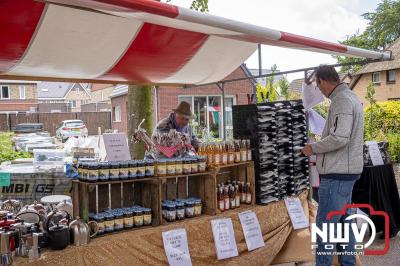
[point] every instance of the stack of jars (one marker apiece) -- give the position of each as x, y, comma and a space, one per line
123, 170
119, 219
179, 166
179, 209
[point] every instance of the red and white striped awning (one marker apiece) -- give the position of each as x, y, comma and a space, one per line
133, 41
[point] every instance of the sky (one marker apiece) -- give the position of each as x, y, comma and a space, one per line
329, 20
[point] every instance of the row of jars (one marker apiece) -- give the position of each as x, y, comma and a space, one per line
179, 209
104, 171
119, 219
179, 166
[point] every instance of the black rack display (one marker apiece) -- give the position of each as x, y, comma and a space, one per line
278, 131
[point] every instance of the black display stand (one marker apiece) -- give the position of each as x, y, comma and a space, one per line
377, 187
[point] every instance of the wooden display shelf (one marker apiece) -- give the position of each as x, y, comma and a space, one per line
124, 193
199, 185
243, 171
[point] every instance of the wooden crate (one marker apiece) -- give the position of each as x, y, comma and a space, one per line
124, 193
243, 171
200, 185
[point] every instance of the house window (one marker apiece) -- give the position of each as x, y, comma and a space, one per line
77, 90
117, 113
5, 92
72, 104
208, 112
376, 78
391, 76
22, 92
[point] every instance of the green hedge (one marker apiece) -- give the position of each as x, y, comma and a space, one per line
382, 123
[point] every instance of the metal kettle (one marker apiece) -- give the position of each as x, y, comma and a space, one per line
80, 232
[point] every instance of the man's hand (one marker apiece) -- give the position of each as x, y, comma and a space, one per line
307, 150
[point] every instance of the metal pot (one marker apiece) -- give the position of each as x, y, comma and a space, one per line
66, 206
30, 215
56, 217
80, 231
58, 234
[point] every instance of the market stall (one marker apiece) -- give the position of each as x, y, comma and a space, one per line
199, 191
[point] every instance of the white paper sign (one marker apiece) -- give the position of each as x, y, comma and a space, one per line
375, 153
224, 238
176, 247
311, 95
116, 146
296, 213
252, 230
316, 122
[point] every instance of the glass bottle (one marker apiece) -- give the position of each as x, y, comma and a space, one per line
248, 196
243, 151
224, 154
231, 153
237, 152
243, 193
216, 155
248, 147
220, 196
237, 196
226, 198
232, 197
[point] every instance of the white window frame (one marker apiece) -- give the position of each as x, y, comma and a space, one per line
1, 92
72, 104
379, 77
387, 73
207, 100
22, 92
117, 113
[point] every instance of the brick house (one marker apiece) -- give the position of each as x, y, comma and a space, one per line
100, 98
205, 102
385, 77
63, 97
18, 96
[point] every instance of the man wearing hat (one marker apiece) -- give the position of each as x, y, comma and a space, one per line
178, 120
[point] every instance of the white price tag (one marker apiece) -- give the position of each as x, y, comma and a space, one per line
296, 213
176, 247
375, 153
224, 238
252, 230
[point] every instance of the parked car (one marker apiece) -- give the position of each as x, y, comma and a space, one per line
28, 128
71, 128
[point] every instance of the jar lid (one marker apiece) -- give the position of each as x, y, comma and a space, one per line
132, 163
124, 164
138, 212
114, 164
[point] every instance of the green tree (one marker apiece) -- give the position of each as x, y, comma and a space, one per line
269, 92
370, 97
140, 100
383, 29
284, 88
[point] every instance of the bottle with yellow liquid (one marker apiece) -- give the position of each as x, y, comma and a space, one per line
224, 153
237, 151
216, 155
231, 153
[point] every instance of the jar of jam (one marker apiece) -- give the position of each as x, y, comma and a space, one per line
138, 217
114, 170
124, 170
149, 168
189, 209
141, 169
171, 212
171, 167
93, 172
99, 219
164, 209
202, 164
197, 207
84, 172
104, 171
128, 218
109, 222
178, 166
132, 169
147, 220
161, 167
187, 166
180, 210
118, 220
194, 165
